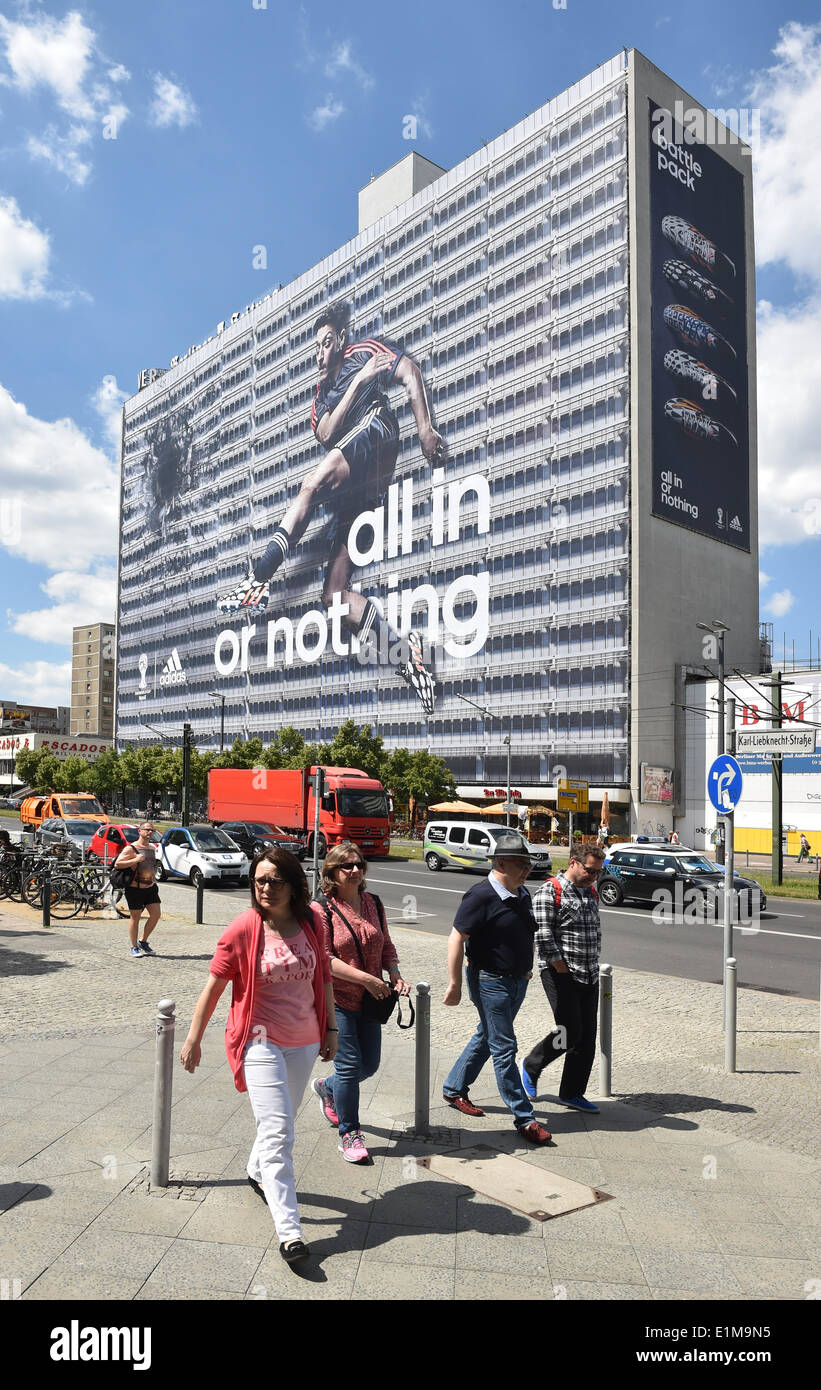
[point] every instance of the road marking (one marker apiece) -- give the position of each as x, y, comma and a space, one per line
768, 931
405, 883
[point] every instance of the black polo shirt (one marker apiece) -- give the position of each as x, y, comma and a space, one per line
500, 931
329, 395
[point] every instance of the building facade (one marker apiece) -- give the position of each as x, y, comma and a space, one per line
92, 680
529, 555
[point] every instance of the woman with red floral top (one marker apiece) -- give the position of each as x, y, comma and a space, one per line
282, 1015
356, 966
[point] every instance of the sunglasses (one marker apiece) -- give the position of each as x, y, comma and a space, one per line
349, 868
269, 882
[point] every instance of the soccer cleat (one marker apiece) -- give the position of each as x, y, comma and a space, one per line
417, 675
251, 595
690, 417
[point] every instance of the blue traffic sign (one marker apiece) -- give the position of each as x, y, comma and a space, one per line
724, 783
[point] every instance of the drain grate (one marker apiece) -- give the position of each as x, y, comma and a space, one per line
185, 1187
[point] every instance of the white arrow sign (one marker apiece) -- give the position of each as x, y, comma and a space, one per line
772, 741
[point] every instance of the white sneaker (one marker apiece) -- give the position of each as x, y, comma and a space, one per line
417, 675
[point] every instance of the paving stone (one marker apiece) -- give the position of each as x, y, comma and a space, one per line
594, 1263
131, 1211
378, 1279
208, 1264
114, 1254
683, 1269
575, 1291
25, 1254
91, 1287
766, 1277
471, 1285
508, 1254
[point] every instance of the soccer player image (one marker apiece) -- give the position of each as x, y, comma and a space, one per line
352, 418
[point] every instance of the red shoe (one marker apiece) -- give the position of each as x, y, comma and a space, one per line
463, 1103
535, 1133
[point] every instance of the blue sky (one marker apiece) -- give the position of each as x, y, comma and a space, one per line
146, 150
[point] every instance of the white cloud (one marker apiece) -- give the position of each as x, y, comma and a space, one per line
108, 402
41, 682
172, 105
789, 421
79, 598
62, 58
344, 64
788, 230
24, 254
763, 579
60, 491
780, 603
419, 109
42, 51
61, 151
323, 116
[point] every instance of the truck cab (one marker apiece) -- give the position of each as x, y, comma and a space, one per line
63, 806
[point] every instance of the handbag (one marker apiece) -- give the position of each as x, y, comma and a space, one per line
378, 1010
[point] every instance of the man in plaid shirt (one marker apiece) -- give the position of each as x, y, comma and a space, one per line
568, 942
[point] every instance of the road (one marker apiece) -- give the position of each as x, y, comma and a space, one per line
782, 956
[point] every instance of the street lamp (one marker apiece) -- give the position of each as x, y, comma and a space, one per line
187, 740
215, 695
718, 628
507, 740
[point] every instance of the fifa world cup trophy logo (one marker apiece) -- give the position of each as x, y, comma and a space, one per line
142, 666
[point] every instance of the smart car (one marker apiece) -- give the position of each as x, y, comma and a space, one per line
200, 854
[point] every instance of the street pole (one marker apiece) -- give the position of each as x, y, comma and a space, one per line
509, 741
729, 864
720, 847
222, 723
186, 774
319, 788
777, 786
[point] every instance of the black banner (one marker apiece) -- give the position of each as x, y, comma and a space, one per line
701, 469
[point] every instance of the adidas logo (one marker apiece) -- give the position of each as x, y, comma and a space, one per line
172, 672
735, 524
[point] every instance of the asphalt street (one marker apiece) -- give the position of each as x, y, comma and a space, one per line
779, 954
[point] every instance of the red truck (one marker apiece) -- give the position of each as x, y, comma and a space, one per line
354, 806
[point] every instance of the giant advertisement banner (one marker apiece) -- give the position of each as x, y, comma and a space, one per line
701, 471
327, 548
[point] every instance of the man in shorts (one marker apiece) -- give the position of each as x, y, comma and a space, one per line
351, 417
142, 895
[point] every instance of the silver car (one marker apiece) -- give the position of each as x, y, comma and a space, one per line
71, 834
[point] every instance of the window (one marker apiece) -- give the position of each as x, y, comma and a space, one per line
457, 835
478, 837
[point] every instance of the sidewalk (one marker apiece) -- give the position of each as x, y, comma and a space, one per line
714, 1178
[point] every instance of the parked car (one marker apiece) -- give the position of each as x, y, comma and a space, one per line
468, 845
251, 836
637, 872
76, 834
110, 840
201, 854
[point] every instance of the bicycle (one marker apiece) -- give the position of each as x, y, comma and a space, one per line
82, 891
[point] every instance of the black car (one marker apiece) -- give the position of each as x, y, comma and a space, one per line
251, 836
687, 875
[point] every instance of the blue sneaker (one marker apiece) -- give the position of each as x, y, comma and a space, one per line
579, 1103
146, 949
528, 1083
135, 952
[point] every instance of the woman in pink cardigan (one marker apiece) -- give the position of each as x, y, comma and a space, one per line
281, 1018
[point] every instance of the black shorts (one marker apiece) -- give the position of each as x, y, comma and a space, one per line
142, 897
369, 449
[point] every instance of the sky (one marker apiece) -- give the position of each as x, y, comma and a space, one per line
148, 151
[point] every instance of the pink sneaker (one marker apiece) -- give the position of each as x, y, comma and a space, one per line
321, 1091
352, 1148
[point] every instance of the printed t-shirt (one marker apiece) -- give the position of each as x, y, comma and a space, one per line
284, 991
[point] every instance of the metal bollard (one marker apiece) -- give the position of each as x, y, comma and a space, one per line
46, 896
731, 1000
605, 1030
163, 1061
200, 897
421, 1116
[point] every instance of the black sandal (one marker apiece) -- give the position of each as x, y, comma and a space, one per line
294, 1250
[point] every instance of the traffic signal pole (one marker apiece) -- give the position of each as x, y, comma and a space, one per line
186, 774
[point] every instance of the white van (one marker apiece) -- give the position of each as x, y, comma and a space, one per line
468, 845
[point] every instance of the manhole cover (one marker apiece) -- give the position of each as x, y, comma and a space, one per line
537, 1193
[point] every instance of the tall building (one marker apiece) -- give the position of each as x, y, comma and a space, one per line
92, 679
578, 297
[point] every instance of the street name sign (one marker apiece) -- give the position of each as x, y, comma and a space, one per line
773, 741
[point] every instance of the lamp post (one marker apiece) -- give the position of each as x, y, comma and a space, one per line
507, 739
187, 742
718, 628
215, 695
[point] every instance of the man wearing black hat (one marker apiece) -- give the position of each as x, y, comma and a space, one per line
495, 921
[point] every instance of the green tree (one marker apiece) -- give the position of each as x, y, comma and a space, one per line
47, 777
27, 765
245, 753
429, 779
73, 775
105, 776
356, 746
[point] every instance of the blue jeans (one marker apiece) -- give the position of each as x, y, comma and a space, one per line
359, 1049
498, 999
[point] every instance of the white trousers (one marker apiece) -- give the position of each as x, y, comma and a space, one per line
276, 1078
